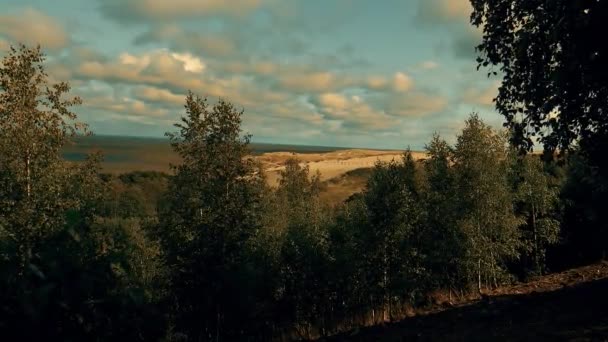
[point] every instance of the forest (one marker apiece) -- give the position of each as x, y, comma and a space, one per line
211, 252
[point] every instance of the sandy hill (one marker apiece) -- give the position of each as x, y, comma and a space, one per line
331, 164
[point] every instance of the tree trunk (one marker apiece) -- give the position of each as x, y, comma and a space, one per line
385, 281
495, 282
28, 174
536, 247
479, 275
217, 325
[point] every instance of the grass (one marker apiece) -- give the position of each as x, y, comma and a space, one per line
339, 189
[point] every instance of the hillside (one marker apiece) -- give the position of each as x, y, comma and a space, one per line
570, 306
340, 188
344, 171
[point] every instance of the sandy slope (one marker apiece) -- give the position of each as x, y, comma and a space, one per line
331, 164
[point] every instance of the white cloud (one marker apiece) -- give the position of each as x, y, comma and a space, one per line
336, 102
158, 62
33, 27
124, 106
444, 10
308, 82
402, 82
415, 104
139, 62
377, 82
428, 65
211, 44
483, 97
353, 111
153, 94
157, 68
191, 63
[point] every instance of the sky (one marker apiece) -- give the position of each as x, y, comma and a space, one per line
355, 73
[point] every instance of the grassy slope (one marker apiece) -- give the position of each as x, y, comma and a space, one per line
341, 188
571, 305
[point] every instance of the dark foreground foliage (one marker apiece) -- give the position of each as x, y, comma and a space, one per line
561, 307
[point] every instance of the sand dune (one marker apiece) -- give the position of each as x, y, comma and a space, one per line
331, 164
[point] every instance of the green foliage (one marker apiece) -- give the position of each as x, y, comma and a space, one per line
554, 91
537, 201
554, 74
349, 251
212, 211
304, 250
133, 194
550, 61
445, 243
485, 204
65, 276
35, 122
393, 262
585, 221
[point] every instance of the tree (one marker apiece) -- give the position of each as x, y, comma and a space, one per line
35, 123
485, 205
584, 224
304, 252
348, 247
553, 67
537, 202
58, 280
411, 173
444, 243
554, 90
295, 183
211, 213
392, 263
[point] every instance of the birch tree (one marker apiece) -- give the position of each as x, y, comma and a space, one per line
485, 208
538, 203
212, 211
35, 123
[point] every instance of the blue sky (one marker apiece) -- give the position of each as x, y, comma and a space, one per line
379, 74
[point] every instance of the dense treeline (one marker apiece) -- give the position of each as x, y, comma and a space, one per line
210, 252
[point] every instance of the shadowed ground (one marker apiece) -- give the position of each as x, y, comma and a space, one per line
568, 306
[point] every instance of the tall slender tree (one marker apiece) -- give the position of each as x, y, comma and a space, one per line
444, 242
537, 202
62, 276
392, 262
212, 211
304, 253
485, 202
35, 123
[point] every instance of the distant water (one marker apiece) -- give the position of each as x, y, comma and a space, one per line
126, 149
